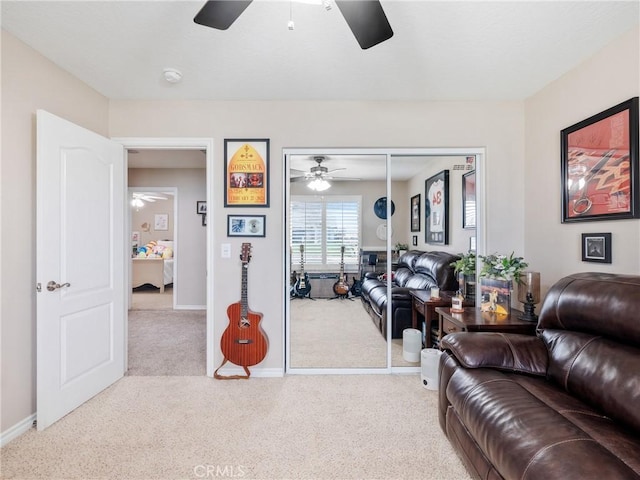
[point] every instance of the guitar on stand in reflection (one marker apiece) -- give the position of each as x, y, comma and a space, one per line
341, 287
302, 287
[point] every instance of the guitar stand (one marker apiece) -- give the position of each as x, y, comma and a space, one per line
342, 297
306, 295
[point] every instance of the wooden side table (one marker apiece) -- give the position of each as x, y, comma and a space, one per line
473, 320
423, 304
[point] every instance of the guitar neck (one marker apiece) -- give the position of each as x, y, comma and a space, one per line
244, 305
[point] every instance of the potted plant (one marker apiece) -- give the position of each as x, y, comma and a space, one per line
496, 281
401, 248
465, 269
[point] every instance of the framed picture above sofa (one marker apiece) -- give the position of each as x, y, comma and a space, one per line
436, 193
599, 166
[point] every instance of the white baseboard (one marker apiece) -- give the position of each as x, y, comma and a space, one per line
17, 430
190, 307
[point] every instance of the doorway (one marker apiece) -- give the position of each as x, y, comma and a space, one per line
186, 301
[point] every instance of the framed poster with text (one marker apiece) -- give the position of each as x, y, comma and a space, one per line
246, 172
436, 193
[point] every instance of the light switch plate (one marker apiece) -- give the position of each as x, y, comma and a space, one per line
225, 250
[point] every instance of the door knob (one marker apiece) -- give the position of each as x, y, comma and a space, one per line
51, 286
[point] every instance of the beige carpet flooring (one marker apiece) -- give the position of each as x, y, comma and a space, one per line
167, 342
152, 299
338, 334
296, 427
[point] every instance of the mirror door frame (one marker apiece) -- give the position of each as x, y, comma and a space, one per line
390, 153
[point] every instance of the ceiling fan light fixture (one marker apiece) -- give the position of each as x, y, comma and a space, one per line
137, 203
319, 184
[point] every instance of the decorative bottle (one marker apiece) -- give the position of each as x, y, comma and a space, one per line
456, 303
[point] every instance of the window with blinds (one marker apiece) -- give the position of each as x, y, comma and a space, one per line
322, 225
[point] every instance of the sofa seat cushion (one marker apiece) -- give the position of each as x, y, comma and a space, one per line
528, 428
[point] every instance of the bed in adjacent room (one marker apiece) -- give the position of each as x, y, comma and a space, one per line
153, 265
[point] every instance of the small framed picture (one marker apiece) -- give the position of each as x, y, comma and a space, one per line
596, 247
415, 241
246, 226
472, 244
201, 207
415, 213
161, 221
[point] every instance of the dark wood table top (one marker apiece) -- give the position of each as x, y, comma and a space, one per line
473, 318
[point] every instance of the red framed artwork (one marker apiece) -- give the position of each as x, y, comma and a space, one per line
599, 166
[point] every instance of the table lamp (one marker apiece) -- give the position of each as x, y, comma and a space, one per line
529, 294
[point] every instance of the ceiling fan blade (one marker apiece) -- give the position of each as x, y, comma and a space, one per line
336, 169
298, 179
221, 14
367, 21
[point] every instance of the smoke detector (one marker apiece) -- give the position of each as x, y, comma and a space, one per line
172, 75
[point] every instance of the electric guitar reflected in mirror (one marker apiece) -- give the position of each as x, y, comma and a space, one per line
302, 288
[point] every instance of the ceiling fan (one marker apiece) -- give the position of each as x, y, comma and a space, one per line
147, 197
365, 18
318, 175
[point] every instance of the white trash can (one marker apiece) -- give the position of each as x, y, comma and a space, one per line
429, 362
411, 344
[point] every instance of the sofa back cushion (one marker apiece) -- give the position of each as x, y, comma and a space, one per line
599, 371
598, 303
437, 266
408, 259
589, 322
402, 275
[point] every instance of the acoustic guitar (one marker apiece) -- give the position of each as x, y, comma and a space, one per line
303, 286
341, 287
243, 342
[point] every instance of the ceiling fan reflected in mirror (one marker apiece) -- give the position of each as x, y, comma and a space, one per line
365, 18
318, 175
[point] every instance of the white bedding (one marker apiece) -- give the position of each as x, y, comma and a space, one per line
168, 271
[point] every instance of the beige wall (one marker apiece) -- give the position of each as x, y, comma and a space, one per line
191, 273
608, 78
29, 82
497, 126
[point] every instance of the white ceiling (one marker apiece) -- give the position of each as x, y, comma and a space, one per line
441, 50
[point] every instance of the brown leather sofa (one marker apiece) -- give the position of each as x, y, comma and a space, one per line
564, 404
415, 270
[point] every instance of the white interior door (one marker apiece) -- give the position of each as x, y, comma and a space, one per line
80, 254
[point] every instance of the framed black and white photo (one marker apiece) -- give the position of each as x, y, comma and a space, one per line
415, 213
415, 240
436, 192
246, 226
201, 207
469, 200
596, 247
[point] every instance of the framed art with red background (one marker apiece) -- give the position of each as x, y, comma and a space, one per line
600, 166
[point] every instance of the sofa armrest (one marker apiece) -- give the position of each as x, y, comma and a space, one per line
502, 351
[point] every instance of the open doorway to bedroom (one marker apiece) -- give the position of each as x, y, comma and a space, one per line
167, 320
